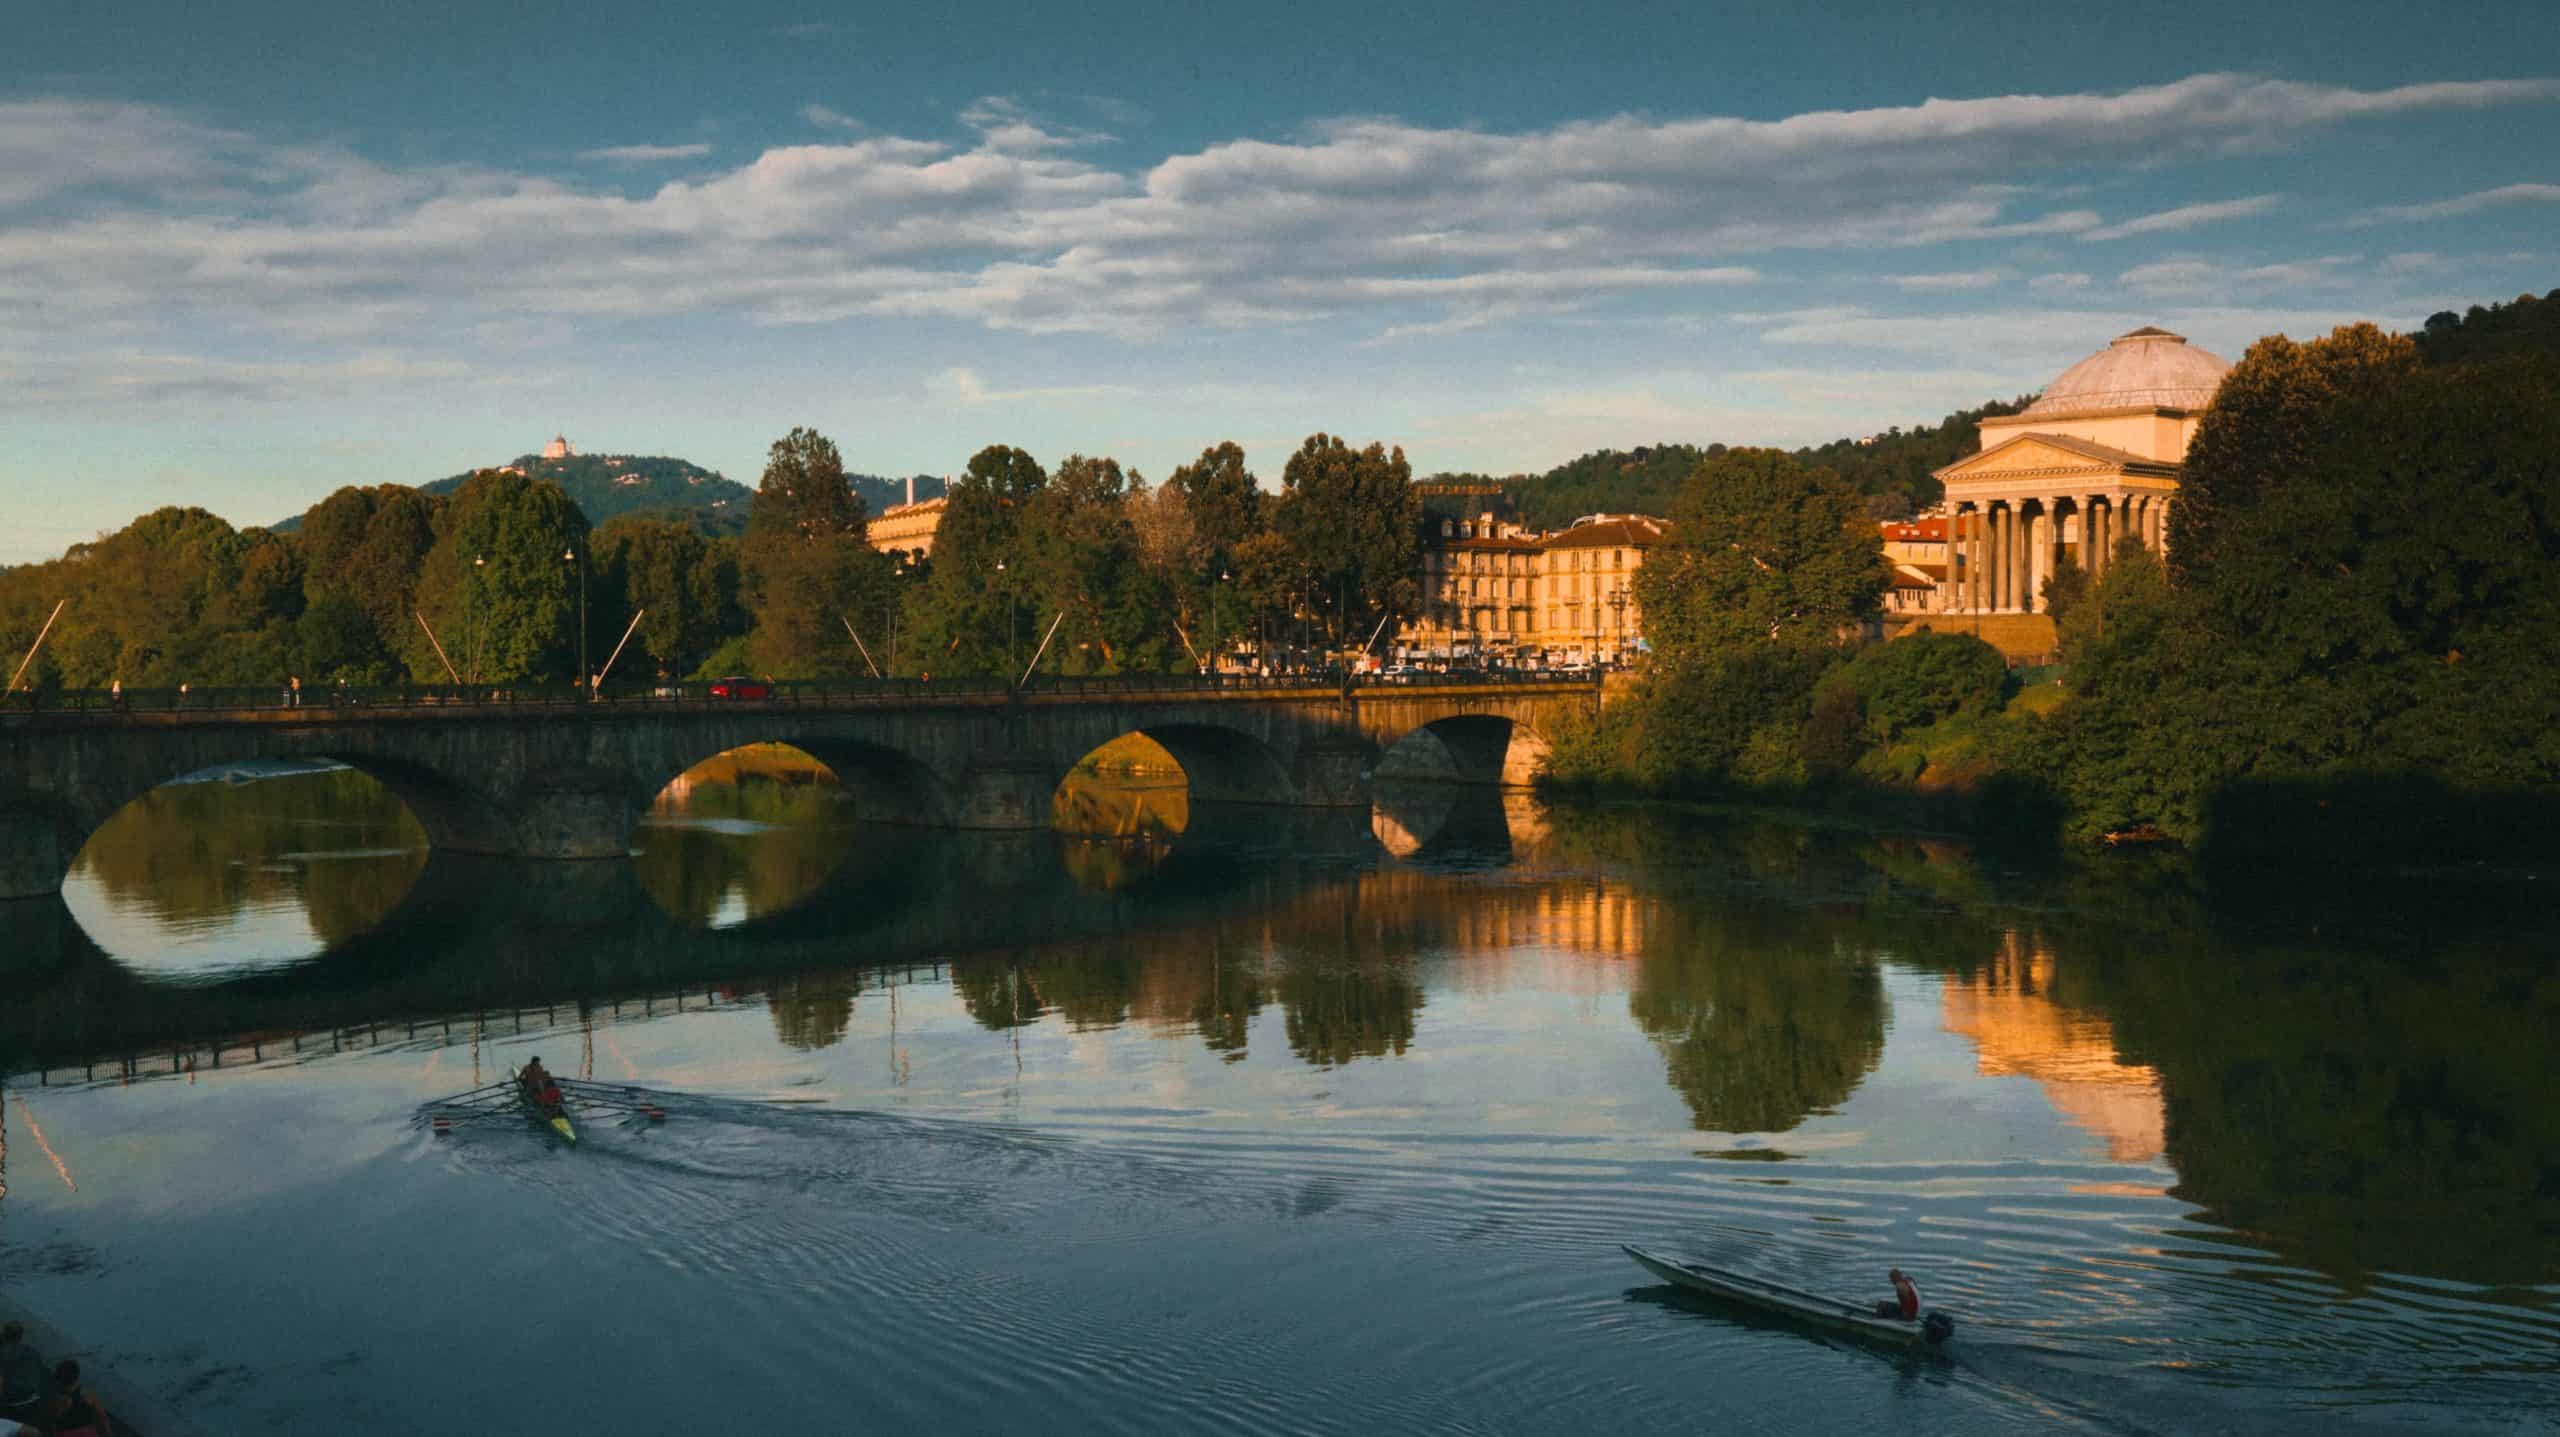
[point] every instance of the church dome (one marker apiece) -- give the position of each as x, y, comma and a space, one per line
2147, 369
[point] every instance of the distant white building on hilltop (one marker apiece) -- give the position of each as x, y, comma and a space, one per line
559, 448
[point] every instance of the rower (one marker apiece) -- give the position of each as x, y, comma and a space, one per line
538, 1083
1905, 1302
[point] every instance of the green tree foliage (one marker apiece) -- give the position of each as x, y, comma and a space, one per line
1761, 548
1081, 568
1916, 681
177, 596
1896, 470
967, 614
1641, 480
665, 571
2382, 597
366, 547
1225, 502
2528, 326
2256, 438
1354, 526
806, 566
497, 587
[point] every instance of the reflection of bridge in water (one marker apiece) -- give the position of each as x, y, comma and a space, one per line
474, 1027
476, 935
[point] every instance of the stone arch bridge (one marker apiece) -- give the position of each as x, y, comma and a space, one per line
563, 779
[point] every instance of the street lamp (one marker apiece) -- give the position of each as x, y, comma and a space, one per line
572, 556
1007, 586
479, 617
1618, 608
1215, 594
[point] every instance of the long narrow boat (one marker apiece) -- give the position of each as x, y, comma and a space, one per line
1813, 1309
509, 1100
554, 1116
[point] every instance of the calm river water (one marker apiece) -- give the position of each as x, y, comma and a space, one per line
1248, 1122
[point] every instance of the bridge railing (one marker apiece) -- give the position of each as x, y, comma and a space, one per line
106, 704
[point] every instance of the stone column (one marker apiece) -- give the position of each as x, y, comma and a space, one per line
1995, 573
1968, 521
1990, 557
2032, 561
2043, 568
2093, 531
1978, 556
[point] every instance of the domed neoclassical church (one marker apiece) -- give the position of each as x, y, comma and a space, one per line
2092, 462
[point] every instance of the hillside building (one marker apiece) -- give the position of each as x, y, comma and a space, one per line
905, 531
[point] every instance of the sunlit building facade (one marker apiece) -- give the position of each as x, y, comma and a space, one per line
1495, 591
2092, 463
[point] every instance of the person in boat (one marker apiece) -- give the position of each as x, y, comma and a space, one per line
74, 1412
539, 1084
1905, 1302
21, 1376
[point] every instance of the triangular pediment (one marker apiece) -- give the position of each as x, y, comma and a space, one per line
2034, 453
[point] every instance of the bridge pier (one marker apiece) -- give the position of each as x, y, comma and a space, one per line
581, 815
35, 854
1007, 791
1333, 772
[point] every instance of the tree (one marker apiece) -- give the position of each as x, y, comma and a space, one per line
807, 567
665, 571
967, 613
369, 546
1761, 548
1224, 502
1079, 559
495, 585
2256, 437
1354, 525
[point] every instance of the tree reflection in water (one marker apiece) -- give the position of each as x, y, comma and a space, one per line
193, 855
750, 833
2356, 1080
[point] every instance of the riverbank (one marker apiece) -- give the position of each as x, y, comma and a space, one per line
135, 1412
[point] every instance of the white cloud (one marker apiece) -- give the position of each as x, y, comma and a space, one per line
2058, 282
2184, 218
645, 154
1944, 283
118, 222
128, 380
960, 388
2471, 203
2205, 278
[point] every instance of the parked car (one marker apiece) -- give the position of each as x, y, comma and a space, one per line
1398, 674
739, 686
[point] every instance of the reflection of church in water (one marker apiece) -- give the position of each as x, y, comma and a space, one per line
2017, 1030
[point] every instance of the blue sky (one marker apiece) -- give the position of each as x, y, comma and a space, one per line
250, 253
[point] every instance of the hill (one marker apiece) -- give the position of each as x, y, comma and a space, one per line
878, 493
614, 486
1892, 469
608, 486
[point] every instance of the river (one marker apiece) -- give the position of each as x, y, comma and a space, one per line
1262, 1122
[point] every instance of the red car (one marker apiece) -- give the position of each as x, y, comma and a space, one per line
739, 686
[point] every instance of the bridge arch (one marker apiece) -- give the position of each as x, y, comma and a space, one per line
42, 834
1479, 748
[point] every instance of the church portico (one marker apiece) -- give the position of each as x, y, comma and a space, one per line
2092, 463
